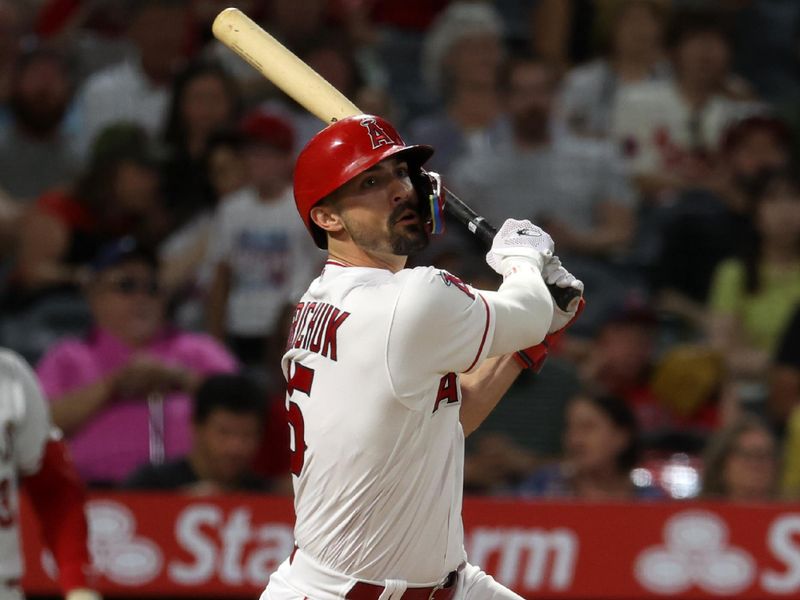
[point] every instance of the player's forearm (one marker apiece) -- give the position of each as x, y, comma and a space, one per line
482, 389
523, 309
72, 410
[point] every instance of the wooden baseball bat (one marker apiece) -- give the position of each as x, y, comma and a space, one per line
309, 89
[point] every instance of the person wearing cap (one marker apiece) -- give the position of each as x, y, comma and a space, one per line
261, 256
121, 394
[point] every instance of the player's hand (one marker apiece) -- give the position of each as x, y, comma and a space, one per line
82, 594
519, 241
555, 274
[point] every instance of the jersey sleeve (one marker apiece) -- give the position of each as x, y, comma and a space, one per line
439, 325
27, 402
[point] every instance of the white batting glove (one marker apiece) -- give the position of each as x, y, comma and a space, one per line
519, 241
554, 273
82, 594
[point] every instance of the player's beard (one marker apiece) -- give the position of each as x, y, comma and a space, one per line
407, 239
403, 239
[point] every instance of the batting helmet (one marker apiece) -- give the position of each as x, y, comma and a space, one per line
340, 152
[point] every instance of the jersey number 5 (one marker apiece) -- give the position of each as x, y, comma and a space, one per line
300, 380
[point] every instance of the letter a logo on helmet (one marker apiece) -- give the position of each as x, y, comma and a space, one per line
377, 135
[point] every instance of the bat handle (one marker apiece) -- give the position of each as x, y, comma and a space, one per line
485, 231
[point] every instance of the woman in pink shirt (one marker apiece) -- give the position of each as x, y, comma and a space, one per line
122, 394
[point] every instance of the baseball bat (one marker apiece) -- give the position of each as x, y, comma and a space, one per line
309, 89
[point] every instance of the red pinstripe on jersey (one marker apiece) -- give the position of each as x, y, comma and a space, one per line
485, 332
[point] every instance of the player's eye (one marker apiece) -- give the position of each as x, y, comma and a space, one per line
369, 182
402, 171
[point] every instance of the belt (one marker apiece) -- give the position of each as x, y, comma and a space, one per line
361, 590
444, 591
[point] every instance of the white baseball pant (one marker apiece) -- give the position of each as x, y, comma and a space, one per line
292, 583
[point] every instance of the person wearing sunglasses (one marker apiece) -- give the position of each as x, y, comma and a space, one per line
122, 393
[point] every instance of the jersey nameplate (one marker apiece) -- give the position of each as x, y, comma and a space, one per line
314, 327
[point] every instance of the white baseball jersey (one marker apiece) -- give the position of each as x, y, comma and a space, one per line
24, 428
373, 402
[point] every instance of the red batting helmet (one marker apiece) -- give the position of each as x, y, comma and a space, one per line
340, 152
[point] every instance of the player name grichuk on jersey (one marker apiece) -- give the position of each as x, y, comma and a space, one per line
377, 446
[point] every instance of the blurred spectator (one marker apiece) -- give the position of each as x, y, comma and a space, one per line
601, 446
118, 194
398, 32
35, 153
790, 478
668, 129
332, 57
522, 430
706, 222
784, 396
621, 358
561, 31
137, 89
261, 254
11, 30
576, 190
462, 56
690, 398
770, 61
204, 99
186, 271
741, 462
752, 298
297, 24
93, 32
227, 419
122, 393
634, 53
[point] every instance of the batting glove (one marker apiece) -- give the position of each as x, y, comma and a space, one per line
519, 241
82, 594
555, 274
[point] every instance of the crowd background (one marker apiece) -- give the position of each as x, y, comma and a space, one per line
150, 251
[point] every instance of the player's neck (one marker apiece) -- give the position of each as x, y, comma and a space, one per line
355, 256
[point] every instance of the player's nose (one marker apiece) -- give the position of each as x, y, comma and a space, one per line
402, 191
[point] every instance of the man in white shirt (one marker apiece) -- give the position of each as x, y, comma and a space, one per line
388, 368
669, 130
137, 89
261, 256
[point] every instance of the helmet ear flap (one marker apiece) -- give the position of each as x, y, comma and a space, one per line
430, 192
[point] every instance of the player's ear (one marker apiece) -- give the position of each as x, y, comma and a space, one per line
326, 218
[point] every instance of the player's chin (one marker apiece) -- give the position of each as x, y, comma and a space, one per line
409, 239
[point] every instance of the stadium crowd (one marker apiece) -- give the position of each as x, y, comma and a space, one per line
151, 253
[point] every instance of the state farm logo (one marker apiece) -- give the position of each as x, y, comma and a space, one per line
695, 552
118, 553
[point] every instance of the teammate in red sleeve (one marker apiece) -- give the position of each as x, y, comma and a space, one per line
33, 456
388, 368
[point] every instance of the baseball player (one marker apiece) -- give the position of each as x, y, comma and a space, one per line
32, 455
388, 368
